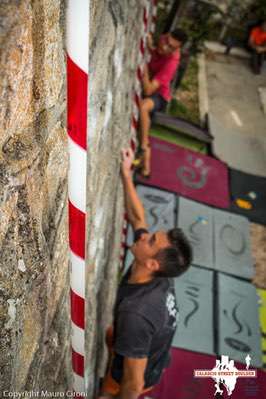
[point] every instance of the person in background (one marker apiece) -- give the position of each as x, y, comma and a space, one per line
145, 313
257, 42
156, 79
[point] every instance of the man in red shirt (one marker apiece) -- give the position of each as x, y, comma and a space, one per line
156, 81
257, 42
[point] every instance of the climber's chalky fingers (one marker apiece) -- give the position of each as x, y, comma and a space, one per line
127, 159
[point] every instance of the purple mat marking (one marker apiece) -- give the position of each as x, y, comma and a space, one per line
188, 173
178, 381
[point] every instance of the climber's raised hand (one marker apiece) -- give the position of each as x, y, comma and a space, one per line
127, 161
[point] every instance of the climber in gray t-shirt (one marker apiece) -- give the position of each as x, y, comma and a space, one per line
145, 314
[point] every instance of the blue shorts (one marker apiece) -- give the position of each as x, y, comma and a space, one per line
159, 103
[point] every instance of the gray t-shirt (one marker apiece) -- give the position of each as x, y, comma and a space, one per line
145, 320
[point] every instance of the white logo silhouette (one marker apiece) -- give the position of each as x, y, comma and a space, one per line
171, 306
248, 359
228, 381
225, 374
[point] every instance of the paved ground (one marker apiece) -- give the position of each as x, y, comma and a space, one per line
234, 100
233, 94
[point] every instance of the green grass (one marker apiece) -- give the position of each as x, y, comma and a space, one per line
185, 100
178, 138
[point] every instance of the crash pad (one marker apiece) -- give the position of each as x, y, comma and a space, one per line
178, 380
183, 126
248, 195
238, 320
178, 138
262, 317
128, 260
232, 244
196, 221
242, 152
188, 173
160, 209
250, 387
194, 293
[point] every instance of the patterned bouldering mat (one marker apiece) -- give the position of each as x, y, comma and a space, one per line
232, 244
188, 173
239, 330
194, 293
248, 195
160, 209
196, 220
220, 240
128, 260
178, 380
246, 388
179, 139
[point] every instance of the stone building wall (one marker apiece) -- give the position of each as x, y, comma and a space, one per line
114, 42
34, 276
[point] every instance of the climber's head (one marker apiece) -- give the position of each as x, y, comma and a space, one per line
171, 42
163, 254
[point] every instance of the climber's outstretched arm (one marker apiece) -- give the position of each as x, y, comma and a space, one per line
149, 86
134, 208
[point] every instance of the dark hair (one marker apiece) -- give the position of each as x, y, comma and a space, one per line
180, 35
176, 259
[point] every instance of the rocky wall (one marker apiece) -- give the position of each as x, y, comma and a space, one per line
114, 42
34, 276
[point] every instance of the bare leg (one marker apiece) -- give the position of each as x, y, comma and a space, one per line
146, 106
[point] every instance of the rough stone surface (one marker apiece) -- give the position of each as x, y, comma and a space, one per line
33, 170
115, 33
34, 301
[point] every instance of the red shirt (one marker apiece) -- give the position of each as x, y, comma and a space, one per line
162, 68
258, 36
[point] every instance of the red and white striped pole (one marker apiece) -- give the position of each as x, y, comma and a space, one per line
77, 103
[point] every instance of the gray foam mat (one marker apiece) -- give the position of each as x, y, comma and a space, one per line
239, 331
160, 210
232, 244
128, 260
183, 126
197, 223
194, 295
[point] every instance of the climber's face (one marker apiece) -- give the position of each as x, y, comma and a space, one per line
149, 245
168, 45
